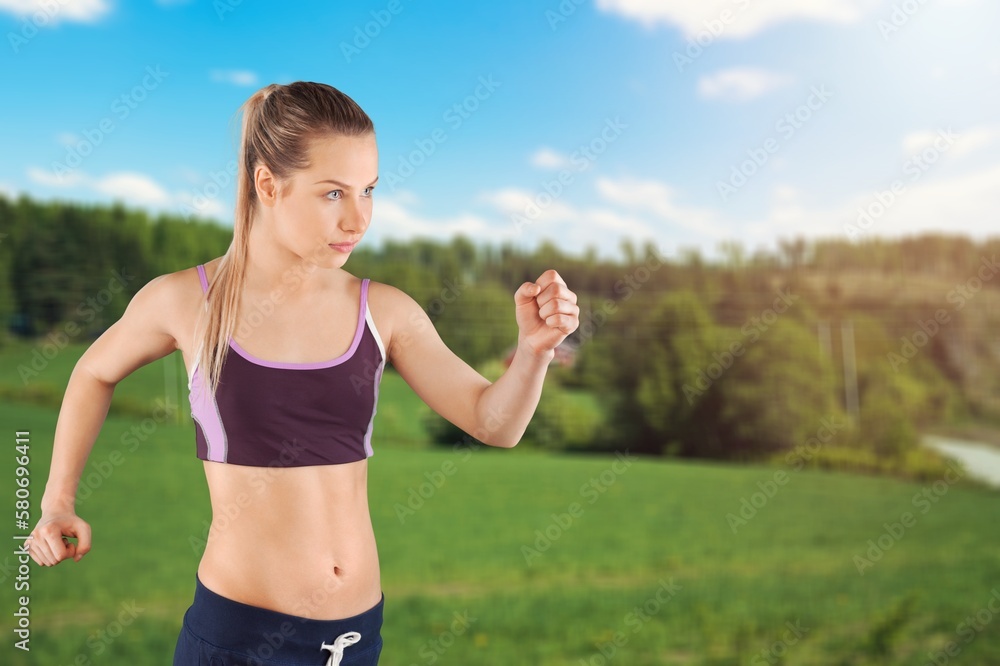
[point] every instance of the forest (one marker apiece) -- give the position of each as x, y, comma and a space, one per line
833, 353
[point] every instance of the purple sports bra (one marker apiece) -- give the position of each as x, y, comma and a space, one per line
274, 414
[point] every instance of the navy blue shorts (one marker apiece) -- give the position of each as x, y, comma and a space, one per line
219, 631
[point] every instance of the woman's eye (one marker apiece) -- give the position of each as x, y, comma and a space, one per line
369, 190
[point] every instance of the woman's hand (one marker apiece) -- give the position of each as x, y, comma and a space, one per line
546, 312
48, 544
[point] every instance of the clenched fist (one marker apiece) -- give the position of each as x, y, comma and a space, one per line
546, 312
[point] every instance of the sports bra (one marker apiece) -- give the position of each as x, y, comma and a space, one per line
277, 414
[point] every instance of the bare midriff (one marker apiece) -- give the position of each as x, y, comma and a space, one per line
298, 540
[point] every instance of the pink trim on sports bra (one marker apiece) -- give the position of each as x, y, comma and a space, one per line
314, 365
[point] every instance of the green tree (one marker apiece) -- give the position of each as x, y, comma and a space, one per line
475, 321
776, 394
643, 364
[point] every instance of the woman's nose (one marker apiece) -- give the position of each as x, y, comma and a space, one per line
354, 217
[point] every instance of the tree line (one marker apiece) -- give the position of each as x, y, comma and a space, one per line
846, 347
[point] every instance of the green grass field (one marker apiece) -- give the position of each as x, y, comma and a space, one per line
652, 528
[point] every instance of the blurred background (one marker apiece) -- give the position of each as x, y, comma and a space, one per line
775, 437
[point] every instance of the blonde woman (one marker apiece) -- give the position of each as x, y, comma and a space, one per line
285, 351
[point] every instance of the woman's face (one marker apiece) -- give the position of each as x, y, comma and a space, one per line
322, 212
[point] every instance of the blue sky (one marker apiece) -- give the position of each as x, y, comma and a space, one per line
706, 120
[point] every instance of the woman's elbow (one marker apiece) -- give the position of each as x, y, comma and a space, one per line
493, 437
503, 443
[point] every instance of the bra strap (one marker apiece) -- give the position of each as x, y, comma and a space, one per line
203, 278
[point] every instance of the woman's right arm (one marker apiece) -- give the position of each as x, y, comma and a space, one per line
146, 332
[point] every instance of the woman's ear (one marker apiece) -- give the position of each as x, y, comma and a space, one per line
266, 185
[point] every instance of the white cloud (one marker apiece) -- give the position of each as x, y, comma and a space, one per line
975, 139
202, 207
511, 202
526, 219
967, 202
740, 84
966, 141
236, 77
641, 209
630, 208
546, 158
406, 197
392, 219
746, 18
624, 225
659, 199
51, 179
133, 188
44, 13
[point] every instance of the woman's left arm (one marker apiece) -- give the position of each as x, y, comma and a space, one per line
495, 413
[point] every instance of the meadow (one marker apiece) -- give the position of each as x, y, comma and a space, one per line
520, 556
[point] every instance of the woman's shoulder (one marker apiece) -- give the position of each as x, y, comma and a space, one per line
188, 280
388, 297
183, 285
210, 267
168, 301
392, 309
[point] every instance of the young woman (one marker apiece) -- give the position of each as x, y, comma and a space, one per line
285, 351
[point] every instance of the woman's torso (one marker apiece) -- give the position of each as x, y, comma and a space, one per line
293, 539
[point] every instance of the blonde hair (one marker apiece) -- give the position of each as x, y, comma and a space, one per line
278, 124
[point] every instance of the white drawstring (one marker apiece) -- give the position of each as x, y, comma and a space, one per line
337, 649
